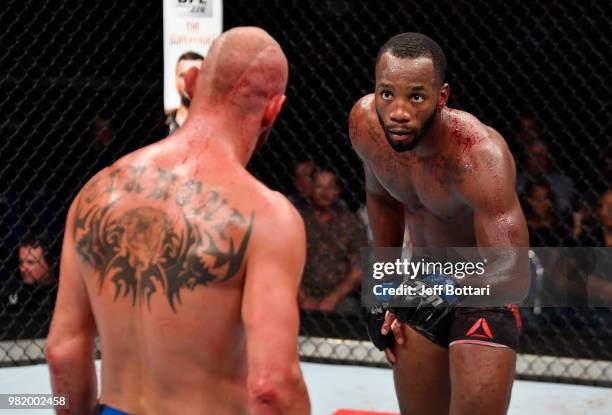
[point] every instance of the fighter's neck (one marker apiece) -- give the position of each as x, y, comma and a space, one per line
436, 139
222, 135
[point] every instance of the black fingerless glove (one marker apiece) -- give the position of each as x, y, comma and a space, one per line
375, 320
424, 311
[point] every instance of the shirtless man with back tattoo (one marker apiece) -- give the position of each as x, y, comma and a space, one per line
170, 257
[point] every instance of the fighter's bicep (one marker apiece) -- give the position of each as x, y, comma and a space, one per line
273, 274
489, 190
505, 227
272, 279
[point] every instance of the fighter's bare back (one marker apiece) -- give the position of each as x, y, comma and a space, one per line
160, 247
169, 257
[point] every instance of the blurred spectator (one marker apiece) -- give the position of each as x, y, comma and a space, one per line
102, 133
530, 130
547, 226
582, 219
538, 167
28, 300
34, 266
601, 234
572, 273
335, 236
185, 62
302, 180
102, 149
600, 278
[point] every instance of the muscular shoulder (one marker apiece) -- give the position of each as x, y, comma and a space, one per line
93, 186
479, 155
474, 146
364, 128
278, 224
277, 212
135, 158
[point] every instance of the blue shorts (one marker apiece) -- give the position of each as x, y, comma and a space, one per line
107, 410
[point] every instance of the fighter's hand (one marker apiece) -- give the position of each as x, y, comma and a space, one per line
392, 324
308, 303
423, 312
375, 319
328, 303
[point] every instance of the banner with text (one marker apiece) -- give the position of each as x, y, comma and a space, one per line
190, 26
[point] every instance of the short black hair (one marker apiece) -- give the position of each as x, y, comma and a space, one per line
190, 56
35, 240
416, 45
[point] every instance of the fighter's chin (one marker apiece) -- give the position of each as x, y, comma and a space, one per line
402, 143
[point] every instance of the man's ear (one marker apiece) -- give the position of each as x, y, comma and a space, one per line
444, 95
191, 78
272, 109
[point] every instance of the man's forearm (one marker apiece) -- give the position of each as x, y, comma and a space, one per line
301, 403
73, 374
600, 289
346, 286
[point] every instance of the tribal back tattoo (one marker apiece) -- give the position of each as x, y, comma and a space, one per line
146, 251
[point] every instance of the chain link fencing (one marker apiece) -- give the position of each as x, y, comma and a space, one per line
82, 86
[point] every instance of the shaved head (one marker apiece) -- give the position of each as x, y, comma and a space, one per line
244, 67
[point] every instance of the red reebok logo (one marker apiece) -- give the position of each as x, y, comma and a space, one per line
480, 329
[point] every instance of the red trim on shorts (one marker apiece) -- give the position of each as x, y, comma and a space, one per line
479, 342
517, 315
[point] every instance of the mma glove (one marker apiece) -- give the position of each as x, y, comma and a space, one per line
430, 304
375, 320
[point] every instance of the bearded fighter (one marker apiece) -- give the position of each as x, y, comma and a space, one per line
449, 179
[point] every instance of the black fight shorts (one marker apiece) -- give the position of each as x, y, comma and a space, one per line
496, 326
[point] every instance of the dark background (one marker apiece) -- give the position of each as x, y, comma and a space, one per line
64, 62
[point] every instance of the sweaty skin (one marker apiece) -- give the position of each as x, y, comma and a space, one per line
437, 193
454, 189
169, 257
450, 180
